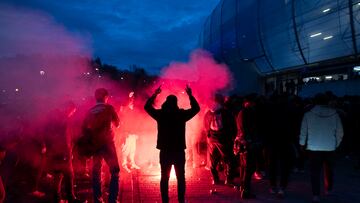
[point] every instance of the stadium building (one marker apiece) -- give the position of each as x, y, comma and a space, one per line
296, 46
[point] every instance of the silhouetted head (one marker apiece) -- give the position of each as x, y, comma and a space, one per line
249, 101
170, 103
321, 99
101, 95
219, 99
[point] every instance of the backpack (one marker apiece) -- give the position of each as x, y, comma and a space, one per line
216, 121
93, 133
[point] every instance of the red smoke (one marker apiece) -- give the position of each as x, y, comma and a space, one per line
206, 77
47, 66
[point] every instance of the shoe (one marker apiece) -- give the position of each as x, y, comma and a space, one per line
315, 199
273, 191
125, 166
258, 176
280, 193
328, 192
77, 201
215, 182
247, 195
134, 166
229, 182
38, 194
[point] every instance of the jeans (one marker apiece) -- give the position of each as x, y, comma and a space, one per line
108, 153
220, 151
167, 159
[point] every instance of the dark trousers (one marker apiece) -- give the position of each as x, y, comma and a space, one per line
60, 167
108, 153
280, 161
319, 159
247, 168
221, 151
66, 176
167, 159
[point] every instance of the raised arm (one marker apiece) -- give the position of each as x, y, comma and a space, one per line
195, 108
149, 108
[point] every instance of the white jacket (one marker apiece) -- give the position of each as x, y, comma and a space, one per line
322, 128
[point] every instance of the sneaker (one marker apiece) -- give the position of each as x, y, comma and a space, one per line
281, 193
315, 199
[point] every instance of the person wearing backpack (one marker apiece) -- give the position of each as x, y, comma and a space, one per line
220, 128
97, 126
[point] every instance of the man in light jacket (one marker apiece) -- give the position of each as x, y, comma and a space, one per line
321, 133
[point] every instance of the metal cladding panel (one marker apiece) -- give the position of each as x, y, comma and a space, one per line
282, 34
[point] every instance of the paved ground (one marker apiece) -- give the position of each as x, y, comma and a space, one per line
142, 186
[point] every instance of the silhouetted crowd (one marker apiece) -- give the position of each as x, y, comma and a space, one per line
247, 136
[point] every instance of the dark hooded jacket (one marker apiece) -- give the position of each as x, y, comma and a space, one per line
171, 122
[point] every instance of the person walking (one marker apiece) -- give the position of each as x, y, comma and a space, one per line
321, 133
171, 124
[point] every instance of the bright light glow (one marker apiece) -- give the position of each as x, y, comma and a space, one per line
88, 73
42, 72
96, 69
172, 173
245, 59
316, 34
358, 4
328, 37
326, 10
328, 77
16, 90
356, 68
121, 78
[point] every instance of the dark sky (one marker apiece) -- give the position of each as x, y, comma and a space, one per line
149, 33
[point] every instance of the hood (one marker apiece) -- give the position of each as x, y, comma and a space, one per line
323, 111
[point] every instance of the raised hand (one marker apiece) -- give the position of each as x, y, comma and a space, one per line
188, 90
158, 90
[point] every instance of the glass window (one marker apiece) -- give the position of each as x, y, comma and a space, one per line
278, 36
263, 65
228, 31
324, 29
356, 14
207, 33
248, 38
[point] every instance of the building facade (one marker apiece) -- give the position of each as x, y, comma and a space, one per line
272, 44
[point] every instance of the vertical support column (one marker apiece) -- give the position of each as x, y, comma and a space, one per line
260, 37
353, 33
296, 32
